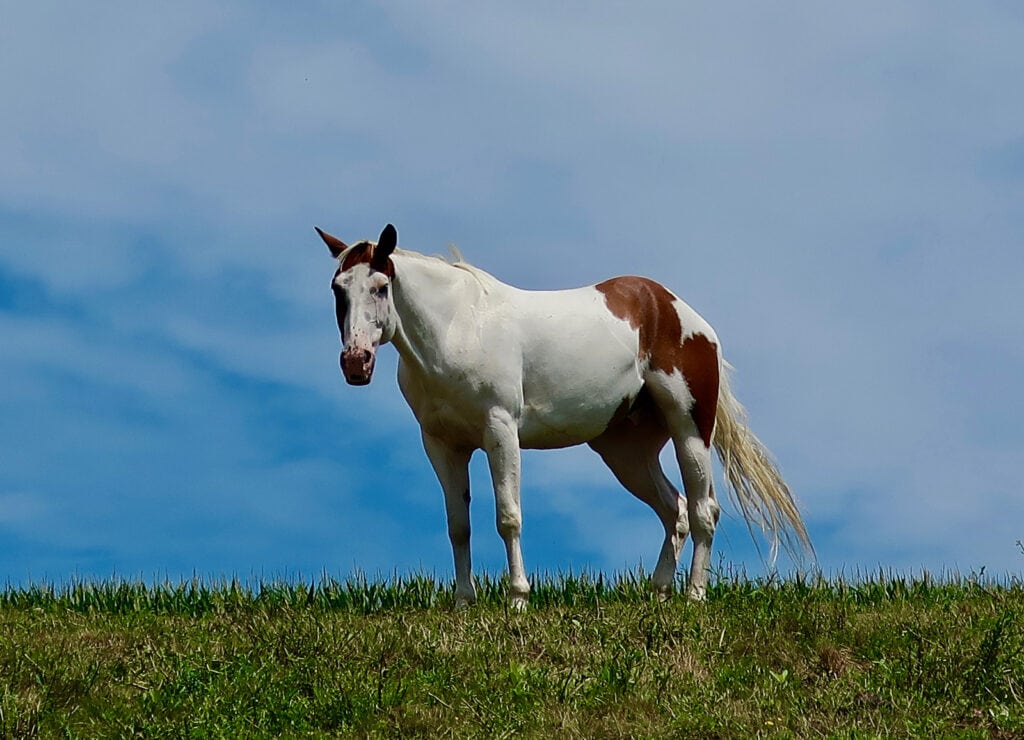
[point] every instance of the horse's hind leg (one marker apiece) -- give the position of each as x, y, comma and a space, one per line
630, 449
695, 463
693, 452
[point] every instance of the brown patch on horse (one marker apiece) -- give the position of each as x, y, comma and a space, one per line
699, 358
635, 412
362, 254
621, 412
636, 424
649, 308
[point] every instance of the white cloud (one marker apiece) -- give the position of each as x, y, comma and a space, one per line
826, 185
96, 114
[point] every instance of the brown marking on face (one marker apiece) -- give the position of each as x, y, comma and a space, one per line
362, 253
649, 308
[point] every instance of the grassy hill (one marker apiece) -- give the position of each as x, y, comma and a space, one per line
594, 657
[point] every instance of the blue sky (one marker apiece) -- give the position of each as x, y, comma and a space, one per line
838, 189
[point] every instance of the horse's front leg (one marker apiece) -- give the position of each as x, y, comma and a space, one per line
452, 468
501, 443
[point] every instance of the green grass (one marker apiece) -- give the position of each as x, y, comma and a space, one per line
593, 657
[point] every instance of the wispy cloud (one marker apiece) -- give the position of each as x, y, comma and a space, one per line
836, 189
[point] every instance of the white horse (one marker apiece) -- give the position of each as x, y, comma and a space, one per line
623, 366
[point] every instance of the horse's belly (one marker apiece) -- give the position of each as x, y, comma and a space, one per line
541, 429
575, 413
569, 420
575, 384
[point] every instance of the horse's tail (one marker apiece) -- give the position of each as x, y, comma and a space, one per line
753, 479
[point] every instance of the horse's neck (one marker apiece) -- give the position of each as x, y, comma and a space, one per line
428, 296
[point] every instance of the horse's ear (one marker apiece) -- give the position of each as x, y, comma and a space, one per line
385, 246
336, 245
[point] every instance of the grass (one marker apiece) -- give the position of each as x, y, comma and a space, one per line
593, 657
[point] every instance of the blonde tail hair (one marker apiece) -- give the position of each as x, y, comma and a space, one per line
755, 483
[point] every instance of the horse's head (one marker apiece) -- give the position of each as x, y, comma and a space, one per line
362, 300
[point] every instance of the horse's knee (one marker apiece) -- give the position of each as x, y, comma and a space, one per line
510, 525
458, 534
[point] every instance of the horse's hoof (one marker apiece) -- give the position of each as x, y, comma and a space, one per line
517, 604
462, 603
697, 594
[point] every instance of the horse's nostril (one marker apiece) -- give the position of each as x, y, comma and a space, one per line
367, 356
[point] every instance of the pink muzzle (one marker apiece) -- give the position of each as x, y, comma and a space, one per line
357, 365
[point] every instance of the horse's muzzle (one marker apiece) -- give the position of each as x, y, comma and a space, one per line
357, 365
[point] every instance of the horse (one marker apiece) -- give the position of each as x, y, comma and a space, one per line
623, 366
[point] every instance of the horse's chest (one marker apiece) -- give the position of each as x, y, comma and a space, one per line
448, 413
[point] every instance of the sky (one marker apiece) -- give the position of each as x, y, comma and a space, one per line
837, 188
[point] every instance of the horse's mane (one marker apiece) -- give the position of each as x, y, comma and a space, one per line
454, 260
